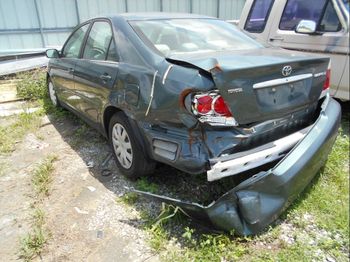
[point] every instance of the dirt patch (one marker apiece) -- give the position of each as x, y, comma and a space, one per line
85, 221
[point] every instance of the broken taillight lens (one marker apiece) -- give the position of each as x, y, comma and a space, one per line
327, 83
203, 104
220, 107
211, 108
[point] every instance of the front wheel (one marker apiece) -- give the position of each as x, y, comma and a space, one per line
52, 93
129, 156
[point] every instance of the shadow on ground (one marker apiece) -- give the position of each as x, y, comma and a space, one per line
94, 150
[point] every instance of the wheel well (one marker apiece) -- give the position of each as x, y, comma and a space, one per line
107, 115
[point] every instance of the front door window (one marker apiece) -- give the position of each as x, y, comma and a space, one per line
72, 47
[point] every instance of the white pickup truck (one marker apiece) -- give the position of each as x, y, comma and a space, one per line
313, 26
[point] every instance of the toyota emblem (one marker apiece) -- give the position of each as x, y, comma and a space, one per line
286, 70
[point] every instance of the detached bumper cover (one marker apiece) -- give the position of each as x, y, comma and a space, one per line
252, 205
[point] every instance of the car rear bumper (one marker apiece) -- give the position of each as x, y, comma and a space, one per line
252, 205
237, 163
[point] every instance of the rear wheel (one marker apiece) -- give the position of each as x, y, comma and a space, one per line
129, 156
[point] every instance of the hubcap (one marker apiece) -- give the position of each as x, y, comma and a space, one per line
122, 145
52, 94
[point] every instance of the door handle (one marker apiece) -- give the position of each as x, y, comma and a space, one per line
105, 77
275, 38
71, 70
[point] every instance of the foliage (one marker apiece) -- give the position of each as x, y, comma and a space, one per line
32, 85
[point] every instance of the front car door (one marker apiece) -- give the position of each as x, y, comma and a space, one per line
62, 68
96, 72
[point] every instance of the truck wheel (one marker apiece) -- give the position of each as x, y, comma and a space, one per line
128, 153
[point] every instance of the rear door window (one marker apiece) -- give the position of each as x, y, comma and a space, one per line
112, 52
322, 12
98, 41
258, 15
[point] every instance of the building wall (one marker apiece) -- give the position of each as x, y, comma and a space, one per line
32, 24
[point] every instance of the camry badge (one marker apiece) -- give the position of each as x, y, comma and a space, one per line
286, 70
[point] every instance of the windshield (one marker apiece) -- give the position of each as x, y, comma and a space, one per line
177, 36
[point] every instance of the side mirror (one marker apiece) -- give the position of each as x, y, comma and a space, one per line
306, 27
52, 53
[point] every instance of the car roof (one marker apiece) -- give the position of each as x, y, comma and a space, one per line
157, 16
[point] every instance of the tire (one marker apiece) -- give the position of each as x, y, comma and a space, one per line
129, 156
52, 94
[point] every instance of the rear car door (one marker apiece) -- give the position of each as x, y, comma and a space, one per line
331, 38
62, 68
95, 73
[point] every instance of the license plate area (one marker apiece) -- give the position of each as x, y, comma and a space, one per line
283, 96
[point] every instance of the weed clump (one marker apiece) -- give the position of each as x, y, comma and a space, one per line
32, 85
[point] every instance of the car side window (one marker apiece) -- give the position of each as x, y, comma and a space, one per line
330, 21
112, 52
258, 16
322, 12
72, 47
98, 41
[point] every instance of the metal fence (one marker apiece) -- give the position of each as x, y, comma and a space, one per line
35, 24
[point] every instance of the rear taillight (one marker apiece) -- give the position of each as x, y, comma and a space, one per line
211, 108
220, 107
327, 82
203, 104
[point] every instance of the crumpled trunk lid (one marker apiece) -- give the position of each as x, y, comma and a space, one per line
254, 83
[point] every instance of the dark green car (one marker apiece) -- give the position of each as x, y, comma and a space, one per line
198, 94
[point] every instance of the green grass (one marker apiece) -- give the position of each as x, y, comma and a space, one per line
32, 85
129, 198
144, 185
23, 124
42, 176
328, 200
33, 243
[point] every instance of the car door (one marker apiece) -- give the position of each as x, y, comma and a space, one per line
96, 72
62, 68
331, 38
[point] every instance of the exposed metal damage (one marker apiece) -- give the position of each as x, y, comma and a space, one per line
249, 207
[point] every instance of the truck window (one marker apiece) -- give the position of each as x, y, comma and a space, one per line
320, 11
346, 3
258, 15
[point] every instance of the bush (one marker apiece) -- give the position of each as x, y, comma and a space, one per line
32, 85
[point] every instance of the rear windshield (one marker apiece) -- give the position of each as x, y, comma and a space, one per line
177, 36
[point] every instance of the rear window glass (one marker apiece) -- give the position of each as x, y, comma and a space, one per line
176, 36
322, 12
258, 15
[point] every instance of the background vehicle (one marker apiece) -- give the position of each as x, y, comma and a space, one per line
276, 23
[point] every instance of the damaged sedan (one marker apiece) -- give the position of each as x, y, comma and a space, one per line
198, 94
